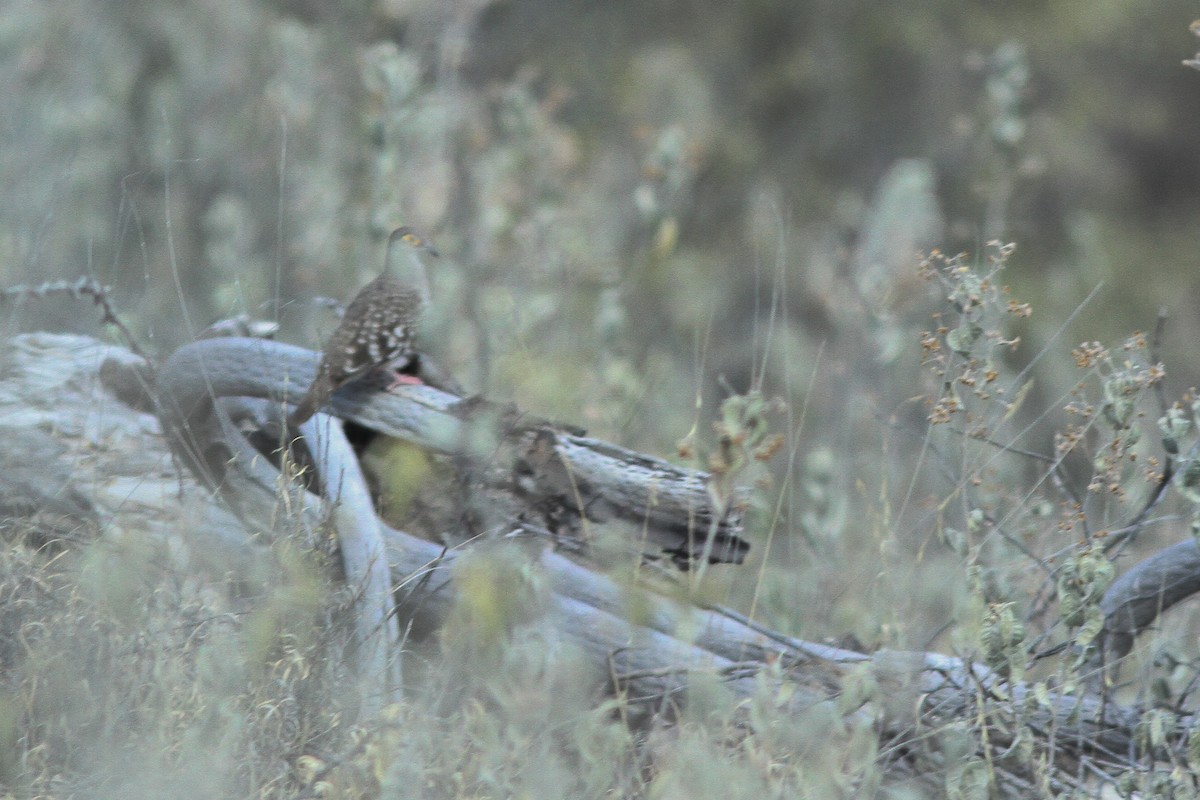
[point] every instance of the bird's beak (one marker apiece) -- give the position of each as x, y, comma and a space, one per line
433, 251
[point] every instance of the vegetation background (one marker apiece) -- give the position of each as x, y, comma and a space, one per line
643, 207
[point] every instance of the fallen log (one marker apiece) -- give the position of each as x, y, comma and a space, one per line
116, 473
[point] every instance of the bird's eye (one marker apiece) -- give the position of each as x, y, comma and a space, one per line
413, 239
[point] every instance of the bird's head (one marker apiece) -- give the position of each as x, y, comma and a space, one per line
406, 237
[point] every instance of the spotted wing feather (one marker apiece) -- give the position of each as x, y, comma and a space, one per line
377, 328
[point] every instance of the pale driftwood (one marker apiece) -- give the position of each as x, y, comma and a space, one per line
365, 560
376, 642
584, 479
1141, 595
52, 383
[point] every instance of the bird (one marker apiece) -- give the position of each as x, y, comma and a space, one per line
379, 324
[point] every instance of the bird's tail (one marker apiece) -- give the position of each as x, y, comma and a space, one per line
313, 399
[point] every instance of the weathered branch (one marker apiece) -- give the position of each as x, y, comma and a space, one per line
364, 557
908, 695
1141, 595
583, 479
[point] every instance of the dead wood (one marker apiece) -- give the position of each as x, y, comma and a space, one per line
52, 383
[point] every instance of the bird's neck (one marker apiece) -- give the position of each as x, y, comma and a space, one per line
406, 266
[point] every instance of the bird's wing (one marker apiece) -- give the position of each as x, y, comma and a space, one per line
377, 328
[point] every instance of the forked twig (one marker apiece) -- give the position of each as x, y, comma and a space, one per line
81, 287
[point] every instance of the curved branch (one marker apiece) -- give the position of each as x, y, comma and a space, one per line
1140, 596
364, 558
585, 479
905, 695
650, 660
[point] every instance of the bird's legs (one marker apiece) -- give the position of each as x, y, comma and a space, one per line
400, 379
414, 369
390, 375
